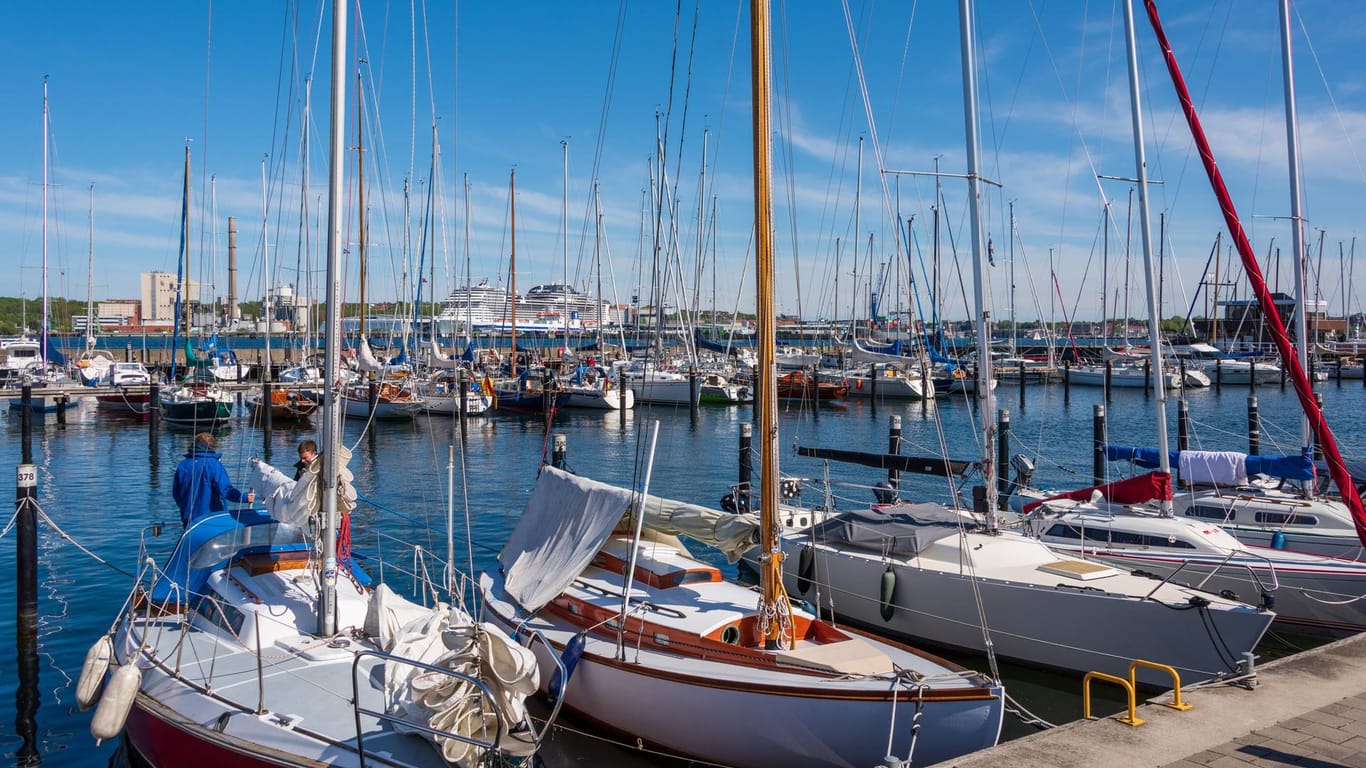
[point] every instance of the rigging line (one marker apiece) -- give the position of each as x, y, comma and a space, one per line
1337, 111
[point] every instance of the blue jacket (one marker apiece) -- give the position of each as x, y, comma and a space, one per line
201, 484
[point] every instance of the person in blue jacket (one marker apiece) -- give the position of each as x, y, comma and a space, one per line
201, 482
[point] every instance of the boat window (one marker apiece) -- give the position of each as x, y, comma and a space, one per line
1064, 531
221, 614
229, 543
1208, 512
1281, 518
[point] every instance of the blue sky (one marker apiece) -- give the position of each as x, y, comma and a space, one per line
508, 82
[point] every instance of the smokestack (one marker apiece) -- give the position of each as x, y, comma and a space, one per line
233, 314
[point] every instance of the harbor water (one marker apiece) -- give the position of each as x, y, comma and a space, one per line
105, 479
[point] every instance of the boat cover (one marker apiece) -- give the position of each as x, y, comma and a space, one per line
901, 529
569, 518
1204, 465
1134, 490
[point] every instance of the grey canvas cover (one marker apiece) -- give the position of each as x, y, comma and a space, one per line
904, 529
569, 518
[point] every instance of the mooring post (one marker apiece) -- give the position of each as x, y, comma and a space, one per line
60, 400
371, 397
26, 696
1218, 375
266, 418
1338, 373
816, 392
1318, 447
1183, 418
1003, 459
1252, 370
1067, 382
894, 447
1098, 444
874, 375
1310, 372
1022, 383
559, 451
1147, 377
128, 352
462, 391
746, 467
694, 394
1254, 427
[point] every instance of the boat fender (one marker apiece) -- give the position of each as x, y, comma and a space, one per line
1268, 601
573, 651
806, 567
1278, 540
114, 705
93, 672
888, 590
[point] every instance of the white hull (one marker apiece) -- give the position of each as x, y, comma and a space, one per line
666, 389
476, 404
595, 398
1120, 378
1240, 372
899, 387
1042, 619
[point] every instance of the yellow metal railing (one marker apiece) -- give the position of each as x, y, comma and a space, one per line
1132, 718
1130, 686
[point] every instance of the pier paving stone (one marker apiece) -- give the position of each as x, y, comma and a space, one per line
1308, 712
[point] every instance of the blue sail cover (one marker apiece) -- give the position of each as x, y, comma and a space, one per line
893, 348
1286, 467
468, 354
187, 569
52, 354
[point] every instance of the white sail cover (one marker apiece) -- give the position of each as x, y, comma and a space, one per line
365, 358
294, 501
860, 354
438, 359
569, 518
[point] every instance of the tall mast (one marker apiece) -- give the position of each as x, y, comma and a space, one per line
43, 333
360, 196
1292, 140
773, 603
90, 279
266, 309
469, 310
512, 264
858, 206
331, 428
597, 261
185, 237
985, 399
1149, 265
564, 226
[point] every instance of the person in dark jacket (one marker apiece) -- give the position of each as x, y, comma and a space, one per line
201, 482
307, 450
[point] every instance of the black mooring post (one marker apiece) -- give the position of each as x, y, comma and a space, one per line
26, 421
746, 467
1318, 447
1067, 382
1252, 368
694, 394
61, 400
1309, 372
893, 447
371, 397
1254, 427
26, 696
1218, 375
462, 391
1147, 377
267, 418
1003, 459
1183, 418
559, 452
1022, 383
1098, 444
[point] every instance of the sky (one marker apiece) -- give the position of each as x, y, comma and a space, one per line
599, 86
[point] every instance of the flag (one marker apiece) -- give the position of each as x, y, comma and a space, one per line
991, 252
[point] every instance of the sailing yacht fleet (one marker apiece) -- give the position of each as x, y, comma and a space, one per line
599, 608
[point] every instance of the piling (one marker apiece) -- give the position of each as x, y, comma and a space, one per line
26, 697
1109, 372
1022, 383
693, 394
1254, 427
816, 392
559, 451
1252, 367
1182, 364
1318, 447
1218, 375
153, 415
874, 377
1067, 382
371, 398
26, 421
60, 400
746, 467
462, 391
128, 352
894, 447
266, 417
1183, 419
1310, 372
1098, 444
1003, 459
1338, 374
1147, 377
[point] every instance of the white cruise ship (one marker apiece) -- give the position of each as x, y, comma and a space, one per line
544, 307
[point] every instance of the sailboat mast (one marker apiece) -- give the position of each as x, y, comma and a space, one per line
185, 248
90, 278
985, 397
773, 601
360, 195
512, 263
331, 427
266, 309
469, 310
1292, 140
1149, 265
564, 242
44, 332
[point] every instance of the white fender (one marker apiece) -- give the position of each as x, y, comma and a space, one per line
118, 697
93, 672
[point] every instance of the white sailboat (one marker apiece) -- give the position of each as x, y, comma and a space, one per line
259, 643
922, 571
666, 652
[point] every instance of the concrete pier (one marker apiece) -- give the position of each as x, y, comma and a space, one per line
1310, 710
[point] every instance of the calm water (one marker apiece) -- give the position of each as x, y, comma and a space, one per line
103, 479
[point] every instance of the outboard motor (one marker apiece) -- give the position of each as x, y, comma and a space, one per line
1024, 471
884, 493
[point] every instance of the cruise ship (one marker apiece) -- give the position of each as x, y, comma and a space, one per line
544, 307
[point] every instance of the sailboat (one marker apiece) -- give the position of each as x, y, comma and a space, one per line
663, 650
259, 643
37, 361
196, 401
932, 573
1310, 590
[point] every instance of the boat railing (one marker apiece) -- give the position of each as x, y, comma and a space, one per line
485, 694
561, 673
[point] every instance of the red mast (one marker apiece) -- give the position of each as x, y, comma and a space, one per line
1337, 468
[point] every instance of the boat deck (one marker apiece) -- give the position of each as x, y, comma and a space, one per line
1310, 710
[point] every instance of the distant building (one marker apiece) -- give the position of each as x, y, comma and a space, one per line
159, 297
112, 315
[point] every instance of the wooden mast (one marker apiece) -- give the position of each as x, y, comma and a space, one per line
775, 613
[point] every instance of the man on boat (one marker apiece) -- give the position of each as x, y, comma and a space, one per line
201, 483
307, 450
